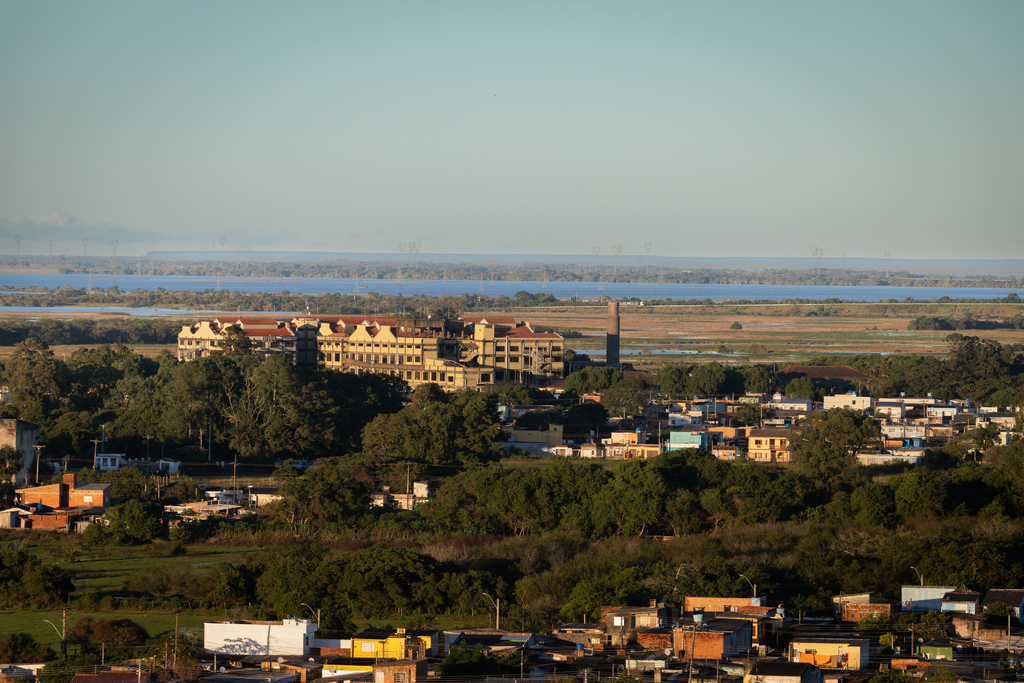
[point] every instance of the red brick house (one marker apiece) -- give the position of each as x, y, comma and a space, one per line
714, 639
400, 671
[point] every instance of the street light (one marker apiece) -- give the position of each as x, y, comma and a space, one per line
63, 642
316, 613
921, 578
753, 586
497, 612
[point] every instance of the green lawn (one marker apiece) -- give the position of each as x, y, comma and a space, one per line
156, 623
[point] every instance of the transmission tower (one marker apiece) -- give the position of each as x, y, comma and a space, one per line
17, 241
647, 248
597, 257
401, 257
113, 245
816, 253
85, 247
616, 253
887, 264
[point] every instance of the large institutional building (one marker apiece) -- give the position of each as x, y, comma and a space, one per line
455, 354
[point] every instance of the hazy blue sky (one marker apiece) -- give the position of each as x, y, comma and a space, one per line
715, 128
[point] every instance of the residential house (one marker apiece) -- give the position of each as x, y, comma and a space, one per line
894, 411
714, 604
850, 401
681, 440
277, 638
962, 599
402, 501
621, 622
783, 672
924, 598
401, 671
853, 607
379, 643
657, 638
305, 670
109, 462
1014, 599
830, 653
491, 641
798, 405
712, 639
769, 445
59, 506
591, 636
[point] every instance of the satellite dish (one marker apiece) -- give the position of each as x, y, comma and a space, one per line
959, 647
312, 660
223, 670
920, 640
280, 660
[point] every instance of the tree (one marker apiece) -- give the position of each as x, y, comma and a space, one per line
10, 463
804, 387
673, 379
19, 648
825, 449
628, 397
126, 524
234, 342
706, 380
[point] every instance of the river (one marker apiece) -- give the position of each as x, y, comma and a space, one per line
560, 290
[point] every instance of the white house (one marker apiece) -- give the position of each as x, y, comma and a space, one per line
109, 462
849, 402
289, 637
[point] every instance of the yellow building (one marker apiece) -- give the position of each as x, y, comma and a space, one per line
769, 445
294, 340
378, 643
455, 354
830, 653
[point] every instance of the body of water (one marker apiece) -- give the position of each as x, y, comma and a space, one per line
561, 290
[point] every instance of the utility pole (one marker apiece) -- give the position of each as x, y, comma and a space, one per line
234, 488
176, 613
38, 448
95, 447
63, 630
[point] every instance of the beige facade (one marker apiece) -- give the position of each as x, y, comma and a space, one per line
455, 354
769, 445
295, 340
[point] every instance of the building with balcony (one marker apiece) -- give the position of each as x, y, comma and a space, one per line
455, 354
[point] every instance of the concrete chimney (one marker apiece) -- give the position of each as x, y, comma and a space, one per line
612, 342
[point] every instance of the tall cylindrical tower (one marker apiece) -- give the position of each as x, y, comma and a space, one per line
612, 342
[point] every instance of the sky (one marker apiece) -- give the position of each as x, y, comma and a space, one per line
700, 128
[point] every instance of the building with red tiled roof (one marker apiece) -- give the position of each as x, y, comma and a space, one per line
293, 340
455, 354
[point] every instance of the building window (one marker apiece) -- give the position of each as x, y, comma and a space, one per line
499, 359
433, 377
451, 379
485, 377
513, 348
513, 359
400, 677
